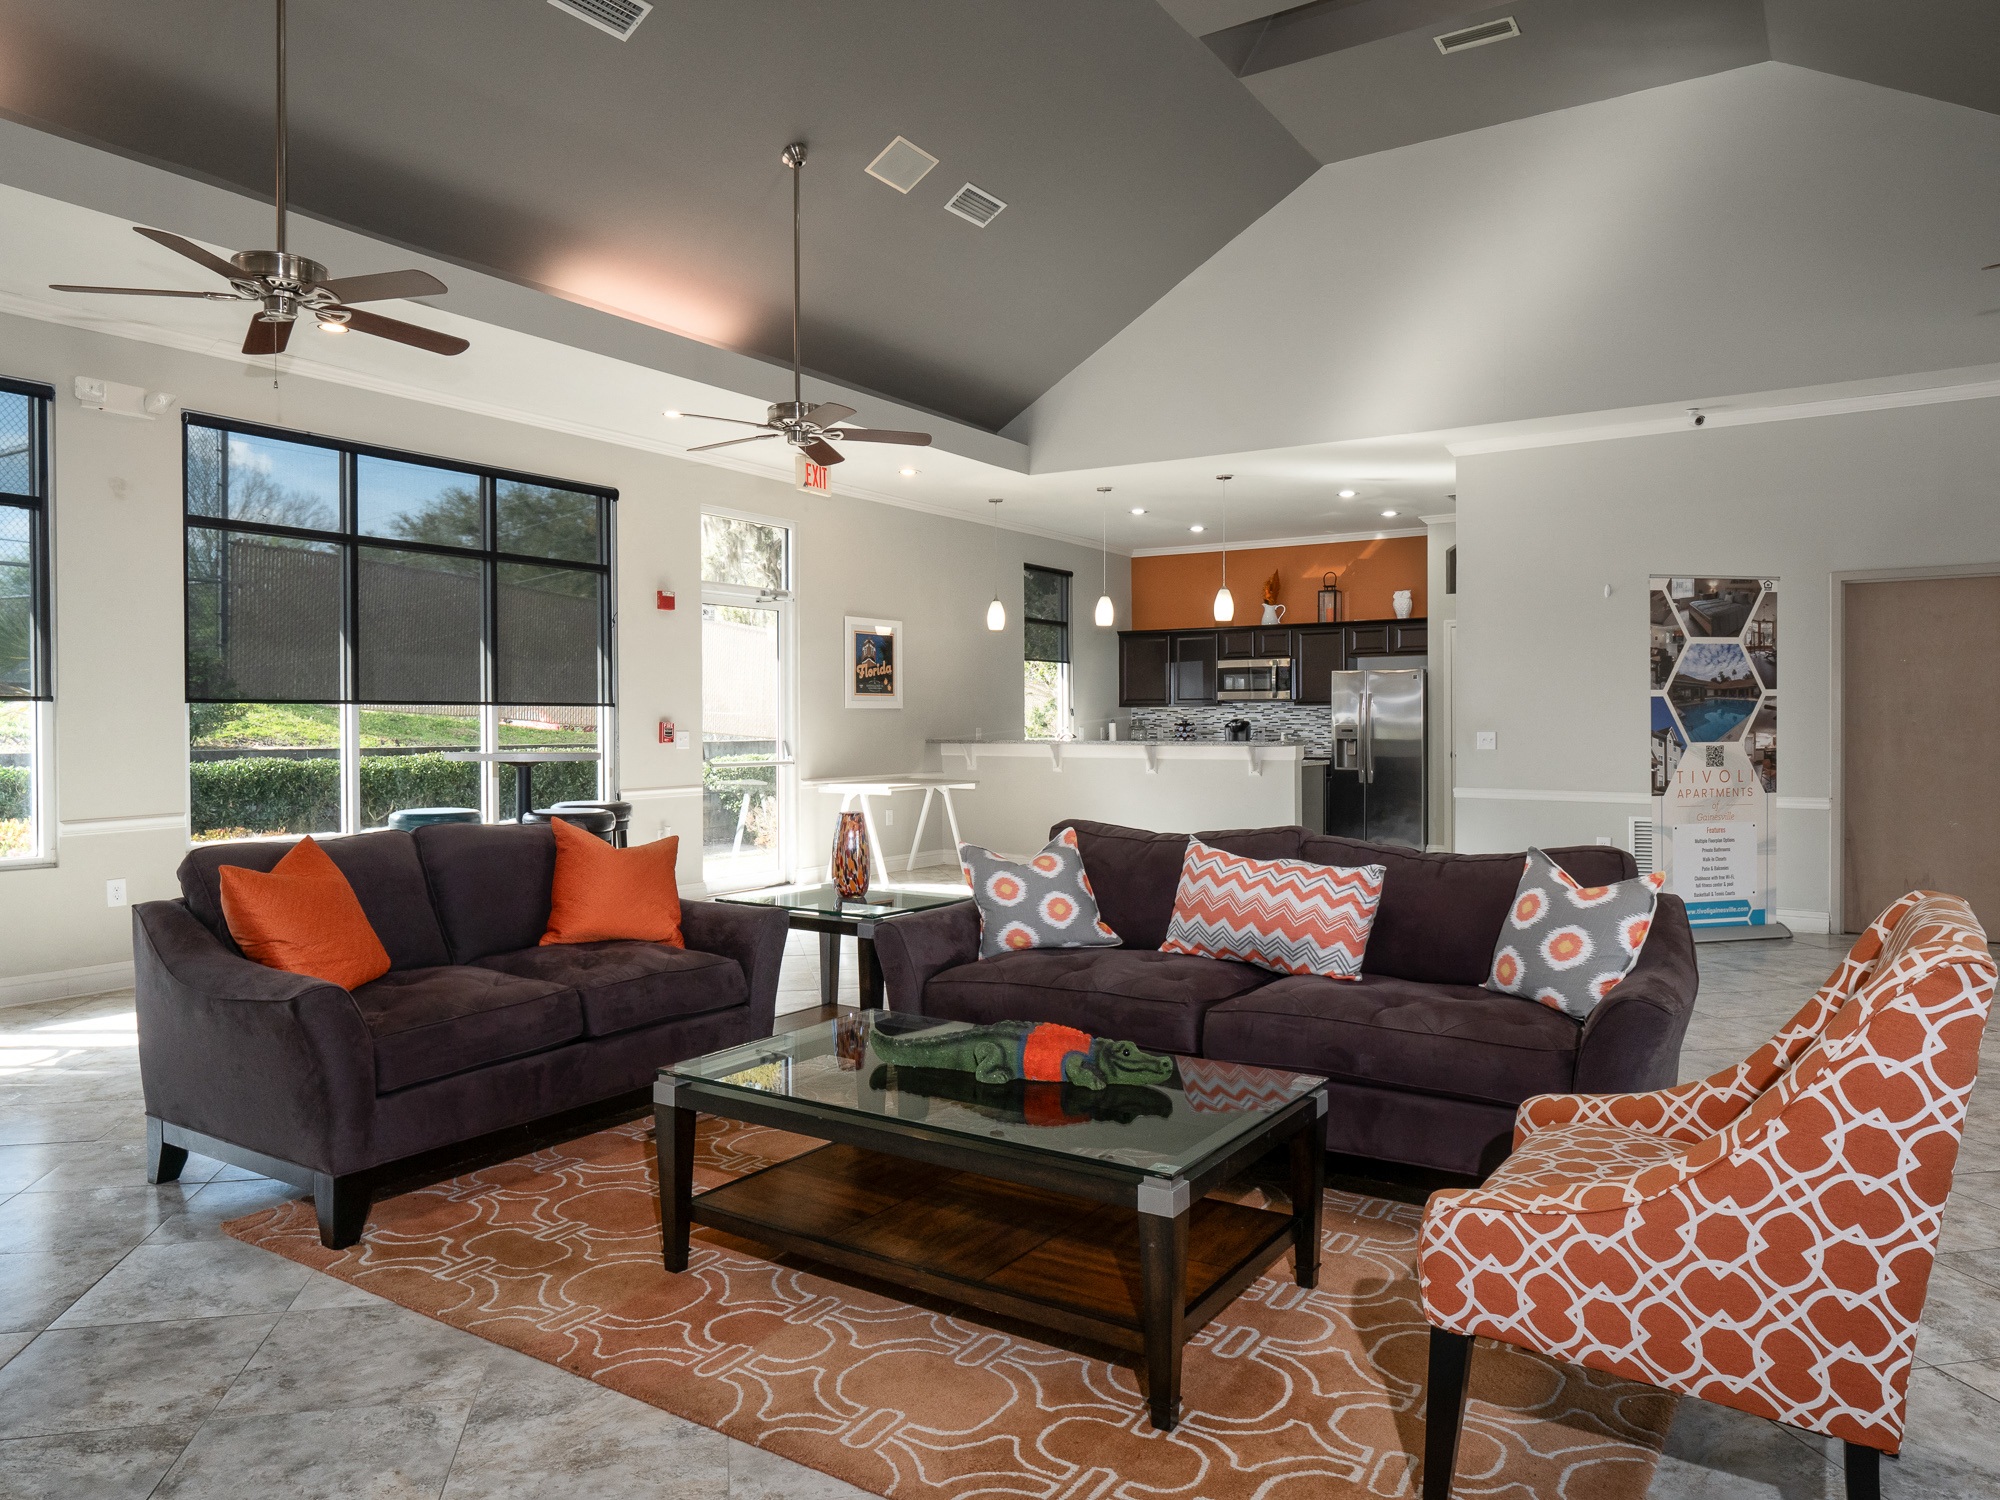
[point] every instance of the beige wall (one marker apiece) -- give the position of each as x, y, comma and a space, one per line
120, 764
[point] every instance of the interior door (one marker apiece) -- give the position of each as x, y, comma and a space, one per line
1920, 715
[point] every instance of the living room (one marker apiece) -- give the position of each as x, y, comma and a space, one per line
1257, 482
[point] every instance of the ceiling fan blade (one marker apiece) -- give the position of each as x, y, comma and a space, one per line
267, 338
826, 413
821, 452
381, 285
403, 333
1994, 267
191, 250
695, 416
884, 435
148, 291
732, 442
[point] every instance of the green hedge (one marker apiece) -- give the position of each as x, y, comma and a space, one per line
13, 792
278, 794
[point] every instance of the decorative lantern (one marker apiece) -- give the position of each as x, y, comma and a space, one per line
1329, 600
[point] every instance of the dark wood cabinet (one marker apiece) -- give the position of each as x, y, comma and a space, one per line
1272, 643
1367, 640
1316, 657
1409, 638
1194, 667
1145, 670
1236, 643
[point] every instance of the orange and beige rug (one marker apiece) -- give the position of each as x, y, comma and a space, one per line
1289, 1395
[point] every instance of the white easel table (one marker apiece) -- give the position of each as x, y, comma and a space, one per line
852, 789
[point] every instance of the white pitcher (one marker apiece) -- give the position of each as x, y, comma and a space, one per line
1273, 613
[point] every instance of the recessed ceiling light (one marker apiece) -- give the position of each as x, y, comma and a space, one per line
906, 471
1347, 494
1389, 514
1138, 510
670, 412
1197, 527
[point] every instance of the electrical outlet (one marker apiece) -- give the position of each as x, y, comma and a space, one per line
114, 893
1486, 739
666, 829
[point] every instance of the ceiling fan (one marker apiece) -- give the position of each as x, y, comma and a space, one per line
807, 427
285, 286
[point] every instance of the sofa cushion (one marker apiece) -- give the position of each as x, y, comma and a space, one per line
382, 866
302, 916
1155, 999
490, 883
1257, 843
1457, 1040
1441, 913
1133, 874
628, 984
430, 1023
1285, 915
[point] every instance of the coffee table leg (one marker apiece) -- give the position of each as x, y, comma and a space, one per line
673, 1145
829, 968
1163, 1253
1308, 1192
868, 974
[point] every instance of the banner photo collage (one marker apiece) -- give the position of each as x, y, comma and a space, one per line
1714, 688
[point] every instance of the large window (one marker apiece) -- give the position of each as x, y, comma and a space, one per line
746, 696
355, 617
24, 617
1046, 708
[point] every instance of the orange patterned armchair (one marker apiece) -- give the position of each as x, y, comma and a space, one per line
1761, 1239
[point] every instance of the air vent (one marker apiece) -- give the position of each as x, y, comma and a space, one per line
619, 18
1478, 36
901, 165
1641, 840
974, 205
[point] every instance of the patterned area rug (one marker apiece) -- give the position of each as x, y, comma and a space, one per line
1290, 1394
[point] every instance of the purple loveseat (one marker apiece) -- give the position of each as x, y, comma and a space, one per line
1426, 1067
475, 1028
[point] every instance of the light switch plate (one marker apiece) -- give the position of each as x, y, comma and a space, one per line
1486, 739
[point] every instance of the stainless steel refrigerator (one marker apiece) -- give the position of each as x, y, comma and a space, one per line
1376, 782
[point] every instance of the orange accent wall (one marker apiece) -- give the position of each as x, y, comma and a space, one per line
1178, 592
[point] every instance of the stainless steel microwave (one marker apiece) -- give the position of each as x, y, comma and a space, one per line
1258, 680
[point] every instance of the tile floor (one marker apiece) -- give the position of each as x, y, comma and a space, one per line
144, 1354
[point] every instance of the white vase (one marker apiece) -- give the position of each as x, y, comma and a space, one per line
1404, 604
1273, 613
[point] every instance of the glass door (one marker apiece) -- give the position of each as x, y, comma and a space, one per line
746, 697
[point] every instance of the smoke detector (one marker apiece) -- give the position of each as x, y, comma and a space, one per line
974, 205
1485, 33
619, 18
901, 165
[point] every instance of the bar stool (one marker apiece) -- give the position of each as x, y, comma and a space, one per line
600, 821
420, 817
622, 811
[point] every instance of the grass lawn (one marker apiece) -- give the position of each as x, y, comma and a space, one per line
317, 726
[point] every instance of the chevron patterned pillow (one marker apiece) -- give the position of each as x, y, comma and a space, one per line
1279, 914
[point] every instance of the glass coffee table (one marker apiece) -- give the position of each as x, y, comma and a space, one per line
820, 909
1085, 1211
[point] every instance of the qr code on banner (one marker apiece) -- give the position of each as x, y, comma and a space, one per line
1714, 754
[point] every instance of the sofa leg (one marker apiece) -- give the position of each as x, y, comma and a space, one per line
1864, 1472
342, 1203
1444, 1408
163, 1159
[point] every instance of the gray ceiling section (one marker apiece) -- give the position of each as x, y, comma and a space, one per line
1945, 49
506, 135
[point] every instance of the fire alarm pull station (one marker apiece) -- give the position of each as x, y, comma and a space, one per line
666, 731
663, 599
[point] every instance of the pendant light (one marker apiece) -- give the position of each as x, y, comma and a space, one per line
996, 612
1107, 612
1225, 606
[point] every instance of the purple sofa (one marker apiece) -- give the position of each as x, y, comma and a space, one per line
475, 1028
1426, 1067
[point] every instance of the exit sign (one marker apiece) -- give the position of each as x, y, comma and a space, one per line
814, 479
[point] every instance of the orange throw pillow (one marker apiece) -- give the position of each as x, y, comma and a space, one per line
303, 917
602, 893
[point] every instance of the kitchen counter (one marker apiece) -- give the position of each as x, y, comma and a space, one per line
1253, 755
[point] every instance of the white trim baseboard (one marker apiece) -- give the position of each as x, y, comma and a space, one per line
1805, 921
1624, 799
65, 984
96, 827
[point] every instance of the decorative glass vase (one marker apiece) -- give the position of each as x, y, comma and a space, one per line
850, 857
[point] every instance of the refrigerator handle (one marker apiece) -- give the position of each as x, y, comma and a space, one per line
1366, 727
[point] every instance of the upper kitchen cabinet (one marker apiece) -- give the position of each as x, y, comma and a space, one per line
1195, 656
1318, 655
1145, 671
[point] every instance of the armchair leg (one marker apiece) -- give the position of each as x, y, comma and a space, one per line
1864, 1472
1451, 1356
342, 1203
163, 1159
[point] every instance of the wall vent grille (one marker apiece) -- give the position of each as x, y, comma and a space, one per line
1478, 36
901, 165
1640, 841
619, 18
974, 205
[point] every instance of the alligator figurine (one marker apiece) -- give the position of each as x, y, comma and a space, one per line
1034, 1052
1022, 1103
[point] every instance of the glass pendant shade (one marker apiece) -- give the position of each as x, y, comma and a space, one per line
1107, 613
1225, 606
996, 615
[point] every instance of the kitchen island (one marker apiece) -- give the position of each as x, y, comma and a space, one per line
1181, 786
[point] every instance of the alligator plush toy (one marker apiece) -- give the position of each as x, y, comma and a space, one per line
1039, 1104
1035, 1052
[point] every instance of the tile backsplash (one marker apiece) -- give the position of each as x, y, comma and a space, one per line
1308, 724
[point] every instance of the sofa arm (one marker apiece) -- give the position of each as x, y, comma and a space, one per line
279, 1063
754, 936
914, 948
1632, 1040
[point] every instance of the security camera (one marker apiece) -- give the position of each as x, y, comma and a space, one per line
1697, 416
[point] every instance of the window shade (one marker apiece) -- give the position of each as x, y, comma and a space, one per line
1045, 613
24, 540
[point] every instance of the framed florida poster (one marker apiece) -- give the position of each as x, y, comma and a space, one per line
874, 663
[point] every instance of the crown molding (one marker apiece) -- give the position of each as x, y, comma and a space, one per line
1382, 534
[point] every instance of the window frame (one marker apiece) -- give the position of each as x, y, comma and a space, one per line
37, 503
1065, 716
